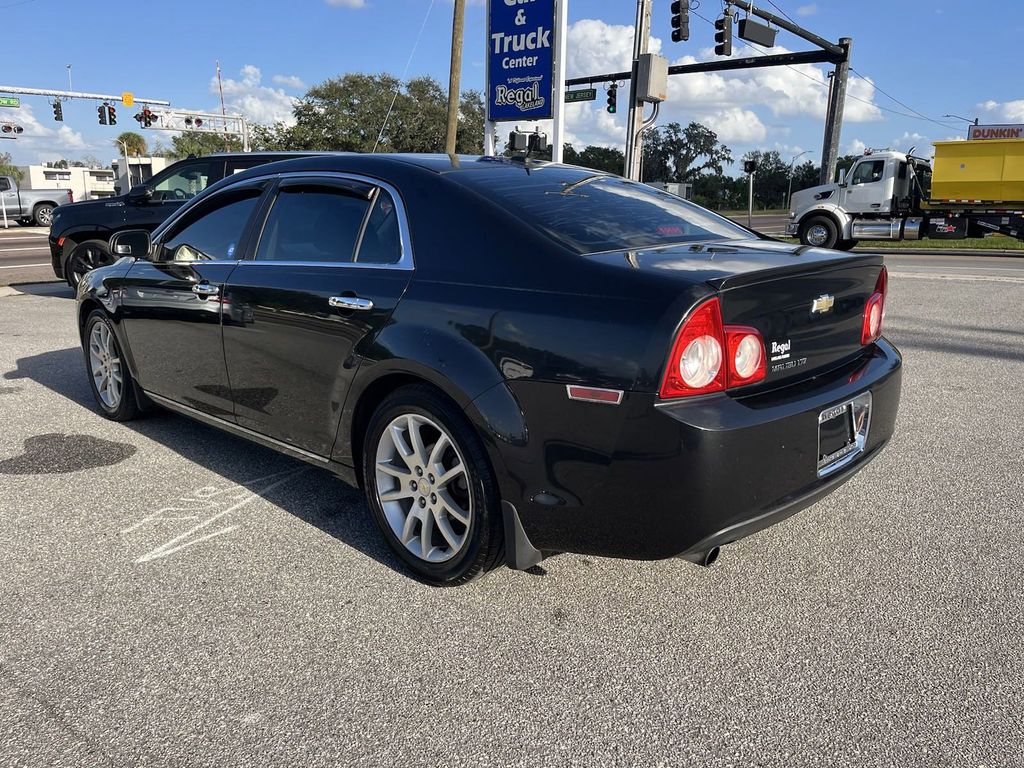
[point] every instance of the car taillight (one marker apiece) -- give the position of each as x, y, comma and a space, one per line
708, 356
874, 310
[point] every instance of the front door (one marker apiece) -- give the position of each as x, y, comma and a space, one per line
866, 189
173, 304
329, 268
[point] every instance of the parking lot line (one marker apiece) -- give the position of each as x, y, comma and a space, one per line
22, 266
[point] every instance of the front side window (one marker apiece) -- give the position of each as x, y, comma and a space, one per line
184, 183
868, 171
313, 222
213, 233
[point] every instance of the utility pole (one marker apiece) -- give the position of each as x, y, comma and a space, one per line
223, 110
834, 113
455, 75
634, 120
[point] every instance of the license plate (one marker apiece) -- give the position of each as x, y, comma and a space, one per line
842, 432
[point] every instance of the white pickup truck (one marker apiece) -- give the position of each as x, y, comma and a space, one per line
30, 206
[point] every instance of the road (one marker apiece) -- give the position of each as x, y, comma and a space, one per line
24, 255
773, 224
172, 595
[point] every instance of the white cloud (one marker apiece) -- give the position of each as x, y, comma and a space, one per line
289, 81
855, 147
348, 3
258, 102
732, 103
45, 143
807, 10
911, 139
1009, 111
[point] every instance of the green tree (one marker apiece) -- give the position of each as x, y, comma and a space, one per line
771, 180
136, 145
677, 154
8, 168
608, 159
348, 113
199, 144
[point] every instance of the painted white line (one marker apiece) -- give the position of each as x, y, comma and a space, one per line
23, 266
22, 239
6, 290
27, 248
960, 277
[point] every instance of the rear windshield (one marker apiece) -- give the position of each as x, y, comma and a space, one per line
594, 212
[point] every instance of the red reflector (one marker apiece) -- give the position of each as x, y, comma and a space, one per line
594, 394
60, 242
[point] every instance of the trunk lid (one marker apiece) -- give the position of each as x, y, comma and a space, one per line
807, 303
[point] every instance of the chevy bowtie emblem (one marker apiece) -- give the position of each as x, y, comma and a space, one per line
822, 304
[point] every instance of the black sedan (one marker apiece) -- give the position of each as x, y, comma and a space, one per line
513, 359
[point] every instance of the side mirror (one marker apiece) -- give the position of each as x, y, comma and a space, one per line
140, 194
132, 242
842, 177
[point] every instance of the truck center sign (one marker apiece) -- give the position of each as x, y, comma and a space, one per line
996, 132
520, 59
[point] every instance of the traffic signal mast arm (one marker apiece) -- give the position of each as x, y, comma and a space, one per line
75, 95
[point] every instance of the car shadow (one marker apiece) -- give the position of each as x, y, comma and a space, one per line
325, 501
52, 290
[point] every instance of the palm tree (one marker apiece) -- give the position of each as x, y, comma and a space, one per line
132, 143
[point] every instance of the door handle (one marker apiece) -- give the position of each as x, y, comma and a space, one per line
205, 289
350, 302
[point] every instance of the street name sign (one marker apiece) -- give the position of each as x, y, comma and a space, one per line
10, 101
583, 94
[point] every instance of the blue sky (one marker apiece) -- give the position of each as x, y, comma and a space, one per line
936, 56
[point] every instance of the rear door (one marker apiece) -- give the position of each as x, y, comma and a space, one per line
331, 262
173, 304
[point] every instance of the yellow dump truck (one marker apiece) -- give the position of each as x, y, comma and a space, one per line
975, 188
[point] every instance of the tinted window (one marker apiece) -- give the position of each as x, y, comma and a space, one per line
381, 243
314, 223
590, 213
213, 232
4, 185
868, 171
184, 183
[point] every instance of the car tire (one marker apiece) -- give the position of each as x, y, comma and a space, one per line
42, 215
85, 257
111, 382
819, 232
446, 531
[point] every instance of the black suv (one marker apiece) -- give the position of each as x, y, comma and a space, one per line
80, 232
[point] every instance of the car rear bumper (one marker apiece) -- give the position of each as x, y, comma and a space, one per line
650, 480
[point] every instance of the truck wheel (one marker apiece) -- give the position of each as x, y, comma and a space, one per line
820, 232
846, 245
42, 215
85, 257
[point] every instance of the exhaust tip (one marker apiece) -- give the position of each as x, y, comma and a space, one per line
703, 557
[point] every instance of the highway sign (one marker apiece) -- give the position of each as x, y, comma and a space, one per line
128, 99
9, 101
584, 94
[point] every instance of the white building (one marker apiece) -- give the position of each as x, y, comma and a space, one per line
84, 183
142, 169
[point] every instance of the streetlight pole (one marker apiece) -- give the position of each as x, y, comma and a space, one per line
789, 192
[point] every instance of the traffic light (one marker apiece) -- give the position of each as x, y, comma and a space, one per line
101, 110
58, 111
749, 166
145, 117
680, 20
111, 115
723, 36
613, 95
6, 128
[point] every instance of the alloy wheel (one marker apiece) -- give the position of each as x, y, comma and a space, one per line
44, 215
423, 486
105, 364
85, 258
817, 235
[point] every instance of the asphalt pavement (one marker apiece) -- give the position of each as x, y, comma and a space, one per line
24, 254
172, 595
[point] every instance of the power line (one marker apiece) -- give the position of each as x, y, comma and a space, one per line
405, 73
905, 106
777, 8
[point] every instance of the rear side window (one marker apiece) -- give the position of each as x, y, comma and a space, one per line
591, 212
214, 231
4, 185
314, 223
381, 243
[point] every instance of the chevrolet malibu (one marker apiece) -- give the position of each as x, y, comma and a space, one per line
512, 359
